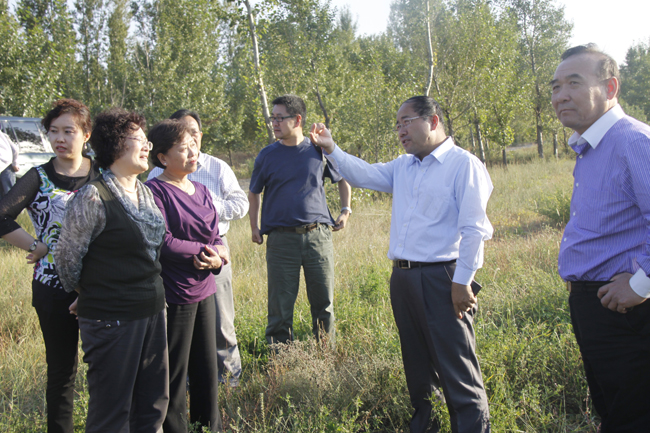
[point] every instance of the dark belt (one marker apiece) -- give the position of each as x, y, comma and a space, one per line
585, 286
301, 230
407, 264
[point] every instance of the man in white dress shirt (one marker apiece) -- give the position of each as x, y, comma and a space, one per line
438, 226
231, 204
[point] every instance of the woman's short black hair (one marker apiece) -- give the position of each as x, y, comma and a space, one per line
108, 138
79, 111
164, 136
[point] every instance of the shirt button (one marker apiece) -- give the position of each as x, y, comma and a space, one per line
564, 239
574, 214
400, 245
577, 184
580, 157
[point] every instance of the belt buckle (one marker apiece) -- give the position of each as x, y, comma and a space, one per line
301, 230
404, 264
568, 286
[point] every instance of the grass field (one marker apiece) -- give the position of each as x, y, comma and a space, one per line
529, 357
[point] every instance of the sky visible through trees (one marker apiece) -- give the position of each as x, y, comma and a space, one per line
489, 67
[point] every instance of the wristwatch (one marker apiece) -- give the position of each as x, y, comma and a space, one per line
347, 208
33, 246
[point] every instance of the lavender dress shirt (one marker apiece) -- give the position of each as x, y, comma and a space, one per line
609, 229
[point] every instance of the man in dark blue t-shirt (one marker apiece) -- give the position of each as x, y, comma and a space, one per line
296, 220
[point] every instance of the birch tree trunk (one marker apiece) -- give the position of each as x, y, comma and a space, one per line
428, 89
258, 73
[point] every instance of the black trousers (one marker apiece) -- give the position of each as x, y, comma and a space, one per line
438, 350
615, 351
192, 338
61, 337
127, 374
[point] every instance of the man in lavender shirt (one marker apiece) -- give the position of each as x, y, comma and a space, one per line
605, 248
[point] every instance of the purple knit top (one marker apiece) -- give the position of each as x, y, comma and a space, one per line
192, 223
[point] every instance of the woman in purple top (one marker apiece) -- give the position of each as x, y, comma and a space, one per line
192, 251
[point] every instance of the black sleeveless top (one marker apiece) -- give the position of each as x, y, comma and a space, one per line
119, 280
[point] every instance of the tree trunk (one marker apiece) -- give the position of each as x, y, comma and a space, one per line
505, 158
555, 153
471, 140
258, 72
540, 138
450, 126
565, 141
230, 153
481, 149
430, 81
323, 109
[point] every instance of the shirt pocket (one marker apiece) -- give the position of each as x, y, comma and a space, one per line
435, 202
594, 210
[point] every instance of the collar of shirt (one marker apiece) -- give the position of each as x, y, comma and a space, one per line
201, 161
439, 153
595, 133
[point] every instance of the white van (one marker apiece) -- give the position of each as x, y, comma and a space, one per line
34, 147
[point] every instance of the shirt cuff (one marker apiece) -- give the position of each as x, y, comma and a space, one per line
336, 152
463, 276
640, 283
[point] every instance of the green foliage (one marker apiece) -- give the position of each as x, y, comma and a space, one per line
555, 206
635, 76
528, 355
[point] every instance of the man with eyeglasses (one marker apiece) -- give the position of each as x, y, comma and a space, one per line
438, 226
231, 204
605, 249
296, 220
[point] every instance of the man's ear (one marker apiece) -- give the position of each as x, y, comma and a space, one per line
434, 122
612, 88
298, 121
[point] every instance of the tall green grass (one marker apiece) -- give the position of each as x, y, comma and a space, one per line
530, 361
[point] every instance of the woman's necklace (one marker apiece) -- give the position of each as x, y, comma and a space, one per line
68, 170
183, 186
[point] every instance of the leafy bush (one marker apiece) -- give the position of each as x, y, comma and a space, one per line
555, 206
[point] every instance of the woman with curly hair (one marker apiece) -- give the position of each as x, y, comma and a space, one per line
44, 191
109, 252
192, 252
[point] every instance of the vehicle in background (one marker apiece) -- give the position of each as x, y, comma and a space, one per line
34, 147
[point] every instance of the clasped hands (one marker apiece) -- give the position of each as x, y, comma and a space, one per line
211, 258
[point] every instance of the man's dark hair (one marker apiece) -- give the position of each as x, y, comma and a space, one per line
294, 105
607, 66
108, 138
426, 106
184, 112
164, 136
